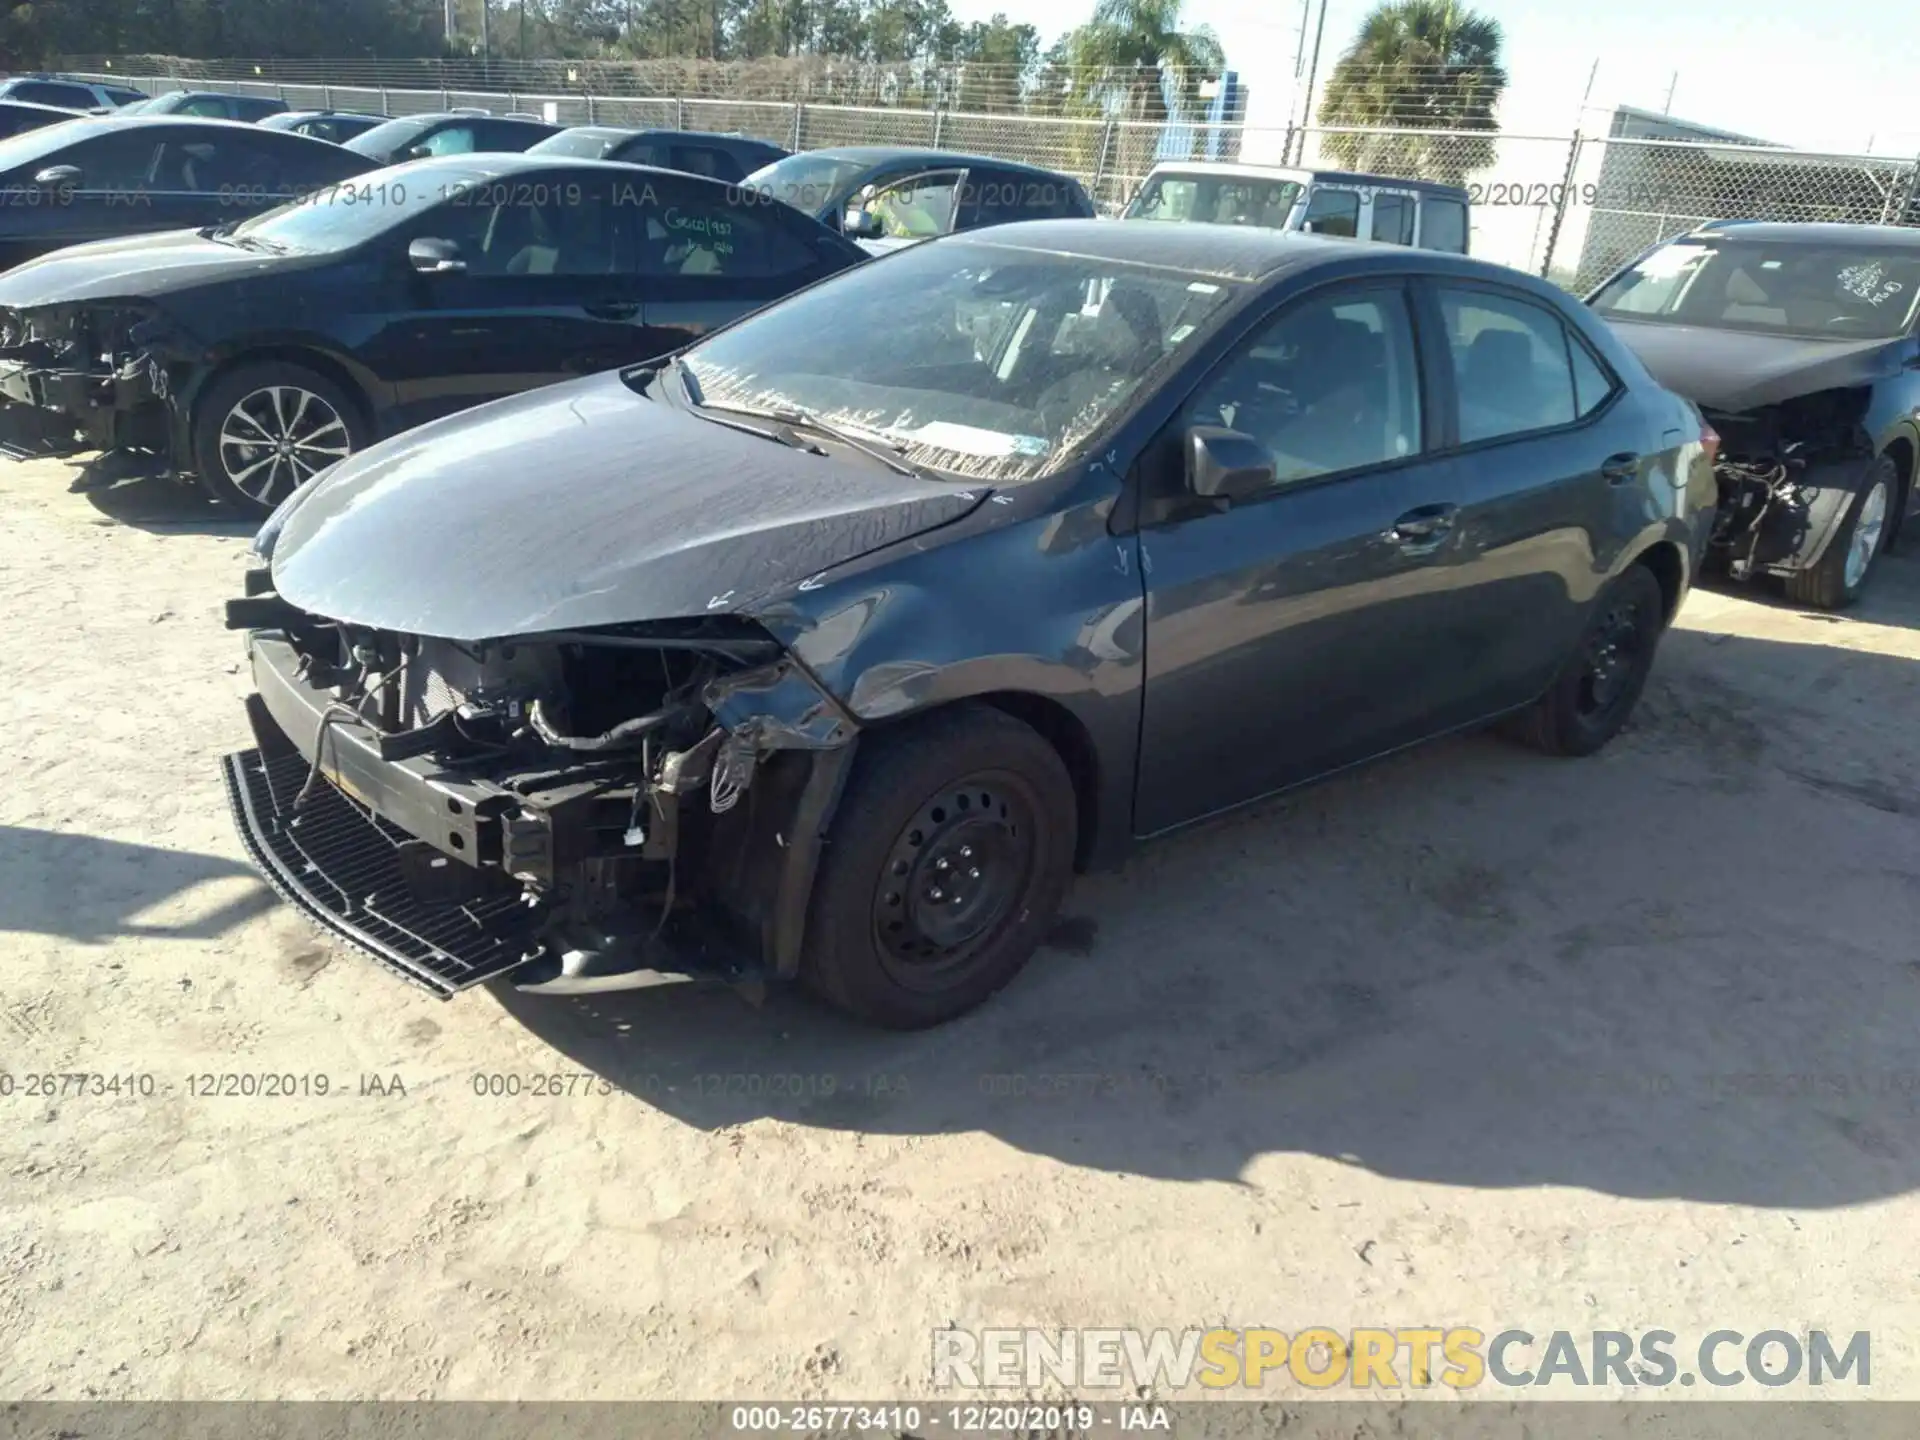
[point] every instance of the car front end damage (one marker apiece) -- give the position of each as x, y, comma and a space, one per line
1787, 473
82, 376
584, 811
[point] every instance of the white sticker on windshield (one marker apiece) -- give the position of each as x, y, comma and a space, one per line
973, 440
1179, 333
1869, 282
1201, 287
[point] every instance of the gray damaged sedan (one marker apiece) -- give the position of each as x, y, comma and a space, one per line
831, 647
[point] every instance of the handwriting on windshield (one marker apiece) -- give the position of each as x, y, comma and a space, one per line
1869, 282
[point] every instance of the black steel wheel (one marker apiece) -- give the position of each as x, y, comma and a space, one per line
946, 864
953, 875
1595, 693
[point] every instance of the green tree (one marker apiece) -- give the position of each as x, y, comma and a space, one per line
1417, 65
1132, 51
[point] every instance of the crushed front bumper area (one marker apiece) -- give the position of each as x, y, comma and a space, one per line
575, 872
357, 874
49, 411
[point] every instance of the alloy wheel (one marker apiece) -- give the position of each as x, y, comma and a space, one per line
1867, 526
275, 438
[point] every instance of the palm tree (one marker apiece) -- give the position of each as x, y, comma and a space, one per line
1417, 65
1139, 44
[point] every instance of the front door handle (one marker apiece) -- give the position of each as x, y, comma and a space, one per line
613, 309
1621, 468
1418, 532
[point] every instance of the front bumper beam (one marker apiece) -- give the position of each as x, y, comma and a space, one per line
46, 411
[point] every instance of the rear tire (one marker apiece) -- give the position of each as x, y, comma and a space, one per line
946, 865
1836, 581
1595, 694
263, 428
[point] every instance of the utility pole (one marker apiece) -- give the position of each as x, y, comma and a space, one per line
1667, 109
449, 23
486, 35
1313, 67
523, 29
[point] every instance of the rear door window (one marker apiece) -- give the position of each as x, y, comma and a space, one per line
1393, 213
1512, 369
51, 92
1443, 225
1333, 211
693, 229
705, 160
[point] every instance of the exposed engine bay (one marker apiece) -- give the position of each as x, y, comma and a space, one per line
1771, 465
592, 810
78, 377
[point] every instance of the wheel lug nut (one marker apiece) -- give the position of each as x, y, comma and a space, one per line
936, 894
973, 874
966, 852
940, 864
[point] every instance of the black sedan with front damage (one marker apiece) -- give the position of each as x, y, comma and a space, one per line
253, 355
832, 646
1801, 343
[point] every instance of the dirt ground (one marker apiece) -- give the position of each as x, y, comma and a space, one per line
1472, 1037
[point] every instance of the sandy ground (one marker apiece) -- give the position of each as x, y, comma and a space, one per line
1473, 1037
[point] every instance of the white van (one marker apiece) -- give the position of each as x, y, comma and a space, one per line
1320, 202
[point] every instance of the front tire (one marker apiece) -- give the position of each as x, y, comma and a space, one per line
1595, 694
946, 865
262, 430
1836, 581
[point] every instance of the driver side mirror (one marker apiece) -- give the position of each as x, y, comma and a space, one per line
860, 223
431, 256
57, 177
1225, 465
415, 152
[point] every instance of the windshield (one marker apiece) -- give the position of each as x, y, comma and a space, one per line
383, 140
344, 215
581, 143
1839, 292
971, 358
813, 183
1216, 199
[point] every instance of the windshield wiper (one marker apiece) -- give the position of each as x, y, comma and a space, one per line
795, 419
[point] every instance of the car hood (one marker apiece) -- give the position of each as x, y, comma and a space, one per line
144, 265
1737, 370
583, 504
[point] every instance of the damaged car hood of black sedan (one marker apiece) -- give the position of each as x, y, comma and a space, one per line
583, 505
1737, 370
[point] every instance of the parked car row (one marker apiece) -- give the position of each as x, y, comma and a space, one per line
654, 582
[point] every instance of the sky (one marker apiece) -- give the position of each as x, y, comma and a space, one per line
1834, 75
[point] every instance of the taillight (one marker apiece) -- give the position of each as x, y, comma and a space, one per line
1710, 441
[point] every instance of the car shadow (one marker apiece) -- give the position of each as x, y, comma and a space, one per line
1891, 595
128, 889
1683, 968
126, 490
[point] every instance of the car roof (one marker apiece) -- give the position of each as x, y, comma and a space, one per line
1303, 173
884, 154
1811, 232
117, 124
493, 164
1233, 252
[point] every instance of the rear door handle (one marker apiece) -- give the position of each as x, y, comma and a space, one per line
1621, 468
613, 310
1425, 529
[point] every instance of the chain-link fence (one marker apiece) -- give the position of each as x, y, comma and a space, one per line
1571, 208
